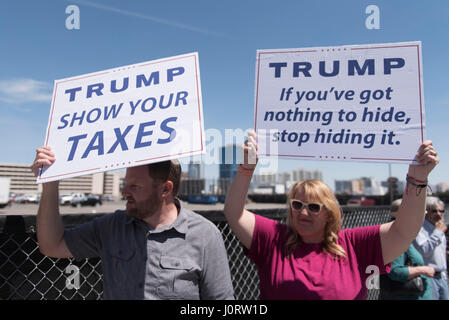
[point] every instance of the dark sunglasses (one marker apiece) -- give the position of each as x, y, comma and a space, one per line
435, 211
311, 207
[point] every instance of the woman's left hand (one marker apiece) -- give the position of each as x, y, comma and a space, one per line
427, 157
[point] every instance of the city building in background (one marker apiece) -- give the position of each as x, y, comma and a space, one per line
264, 178
441, 187
266, 183
22, 178
371, 187
399, 186
23, 181
195, 170
345, 187
303, 174
230, 157
192, 187
285, 178
193, 182
363, 186
280, 183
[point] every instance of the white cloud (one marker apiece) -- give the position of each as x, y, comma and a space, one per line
167, 22
19, 91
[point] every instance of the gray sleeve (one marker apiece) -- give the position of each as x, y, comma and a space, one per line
84, 240
216, 281
425, 244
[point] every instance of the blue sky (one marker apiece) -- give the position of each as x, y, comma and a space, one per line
37, 48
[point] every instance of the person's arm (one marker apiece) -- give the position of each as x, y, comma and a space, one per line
401, 272
241, 220
413, 272
397, 236
50, 230
427, 244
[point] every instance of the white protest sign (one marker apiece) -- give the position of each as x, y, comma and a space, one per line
124, 117
347, 103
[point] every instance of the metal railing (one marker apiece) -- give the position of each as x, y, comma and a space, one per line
26, 274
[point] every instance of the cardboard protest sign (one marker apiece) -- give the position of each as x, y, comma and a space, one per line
127, 116
348, 103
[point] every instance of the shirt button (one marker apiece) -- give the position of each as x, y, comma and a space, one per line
140, 285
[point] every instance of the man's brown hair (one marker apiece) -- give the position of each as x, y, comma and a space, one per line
169, 170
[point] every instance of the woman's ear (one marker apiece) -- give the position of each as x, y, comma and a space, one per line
330, 219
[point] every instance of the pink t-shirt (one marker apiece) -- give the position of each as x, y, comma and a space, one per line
312, 273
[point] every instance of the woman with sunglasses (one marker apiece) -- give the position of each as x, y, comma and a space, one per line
310, 257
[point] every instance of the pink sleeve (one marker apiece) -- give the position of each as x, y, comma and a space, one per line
265, 232
367, 247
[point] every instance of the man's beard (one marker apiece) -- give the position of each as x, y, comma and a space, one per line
143, 209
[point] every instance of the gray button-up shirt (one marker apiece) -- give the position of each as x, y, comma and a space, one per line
431, 243
184, 260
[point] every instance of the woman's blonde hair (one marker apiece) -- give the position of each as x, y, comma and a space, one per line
315, 190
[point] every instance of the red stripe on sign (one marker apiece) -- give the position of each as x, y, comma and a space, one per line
257, 93
178, 154
381, 159
160, 61
389, 47
286, 155
65, 174
51, 114
296, 51
84, 77
420, 97
198, 101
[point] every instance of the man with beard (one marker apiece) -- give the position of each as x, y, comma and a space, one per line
154, 250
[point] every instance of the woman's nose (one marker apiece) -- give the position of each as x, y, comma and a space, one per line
304, 212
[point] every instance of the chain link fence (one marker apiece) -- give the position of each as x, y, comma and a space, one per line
26, 274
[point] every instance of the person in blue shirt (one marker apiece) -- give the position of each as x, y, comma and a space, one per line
431, 243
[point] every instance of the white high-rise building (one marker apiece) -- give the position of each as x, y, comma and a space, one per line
303, 174
354, 186
371, 187
195, 170
317, 175
284, 177
365, 185
264, 179
23, 181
